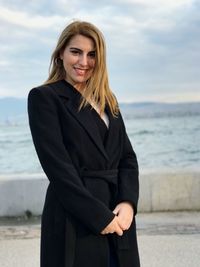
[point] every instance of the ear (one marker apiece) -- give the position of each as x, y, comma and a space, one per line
61, 55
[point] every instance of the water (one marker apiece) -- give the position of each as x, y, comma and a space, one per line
163, 139
166, 143
17, 154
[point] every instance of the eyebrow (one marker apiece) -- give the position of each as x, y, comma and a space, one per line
78, 49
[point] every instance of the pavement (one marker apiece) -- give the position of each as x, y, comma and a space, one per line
168, 239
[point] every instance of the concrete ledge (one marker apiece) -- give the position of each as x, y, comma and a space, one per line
20, 194
169, 191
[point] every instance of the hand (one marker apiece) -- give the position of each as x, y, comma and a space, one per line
113, 227
124, 212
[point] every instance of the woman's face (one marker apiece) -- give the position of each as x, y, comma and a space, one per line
79, 60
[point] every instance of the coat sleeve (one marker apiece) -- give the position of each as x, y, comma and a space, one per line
57, 164
128, 179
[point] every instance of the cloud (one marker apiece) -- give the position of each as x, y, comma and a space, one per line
162, 4
24, 20
4, 63
152, 45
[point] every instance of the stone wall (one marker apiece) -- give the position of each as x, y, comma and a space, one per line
21, 194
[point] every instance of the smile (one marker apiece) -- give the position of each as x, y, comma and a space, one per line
80, 71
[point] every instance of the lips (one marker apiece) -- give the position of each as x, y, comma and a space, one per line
80, 72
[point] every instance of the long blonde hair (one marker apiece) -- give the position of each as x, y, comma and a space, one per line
97, 86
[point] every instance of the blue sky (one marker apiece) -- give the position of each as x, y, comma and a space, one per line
153, 46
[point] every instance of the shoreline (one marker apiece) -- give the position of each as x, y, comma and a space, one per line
144, 171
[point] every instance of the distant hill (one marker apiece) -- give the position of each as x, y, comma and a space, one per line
154, 109
13, 108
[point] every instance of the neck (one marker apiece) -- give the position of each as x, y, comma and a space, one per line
80, 87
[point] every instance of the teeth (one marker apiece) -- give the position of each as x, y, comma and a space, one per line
80, 71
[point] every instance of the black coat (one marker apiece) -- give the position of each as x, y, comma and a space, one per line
87, 180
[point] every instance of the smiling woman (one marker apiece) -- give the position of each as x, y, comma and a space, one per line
86, 45
89, 213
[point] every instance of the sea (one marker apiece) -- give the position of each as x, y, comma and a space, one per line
165, 137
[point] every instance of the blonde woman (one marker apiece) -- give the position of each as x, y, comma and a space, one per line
88, 218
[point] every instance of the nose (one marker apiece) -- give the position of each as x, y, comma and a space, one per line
83, 60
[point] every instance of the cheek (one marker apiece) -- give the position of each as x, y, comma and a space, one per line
66, 67
92, 63
68, 63
69, 59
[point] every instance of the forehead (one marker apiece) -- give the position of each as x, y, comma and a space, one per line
82, 42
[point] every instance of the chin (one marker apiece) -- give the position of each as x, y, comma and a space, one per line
81, 80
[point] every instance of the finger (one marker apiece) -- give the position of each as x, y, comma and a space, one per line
104, 232
119, 231
124, 224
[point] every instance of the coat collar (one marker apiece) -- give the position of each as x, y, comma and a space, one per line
66, 90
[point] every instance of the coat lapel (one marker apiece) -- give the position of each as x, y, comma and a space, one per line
84, 117
112, 130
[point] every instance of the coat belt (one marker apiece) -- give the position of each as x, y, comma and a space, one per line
109, 176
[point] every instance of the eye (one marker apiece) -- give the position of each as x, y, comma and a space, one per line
75, 52
92, 54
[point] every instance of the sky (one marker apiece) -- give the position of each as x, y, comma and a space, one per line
153, 46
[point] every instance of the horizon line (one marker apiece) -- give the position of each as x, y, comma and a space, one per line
129, 102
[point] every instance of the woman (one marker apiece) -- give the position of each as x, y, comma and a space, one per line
81, 142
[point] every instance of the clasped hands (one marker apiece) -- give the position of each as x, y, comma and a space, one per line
122, 221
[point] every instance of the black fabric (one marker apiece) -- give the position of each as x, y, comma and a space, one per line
103, 130
87, 178
113, 260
